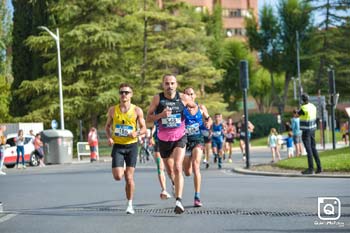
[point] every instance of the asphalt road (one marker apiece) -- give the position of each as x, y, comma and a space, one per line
85, 198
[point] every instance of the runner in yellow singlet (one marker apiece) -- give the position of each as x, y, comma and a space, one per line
122, 133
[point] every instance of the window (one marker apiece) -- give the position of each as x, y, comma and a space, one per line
231, 13
230, 32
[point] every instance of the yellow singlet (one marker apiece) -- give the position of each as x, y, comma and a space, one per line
123, 125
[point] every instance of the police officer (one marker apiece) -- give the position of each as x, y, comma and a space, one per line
307, 115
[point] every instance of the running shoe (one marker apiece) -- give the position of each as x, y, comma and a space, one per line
207, 166
2, 173
130, 210
197, 203
204, 161
24, 167
179, 209
164, 195
229, 160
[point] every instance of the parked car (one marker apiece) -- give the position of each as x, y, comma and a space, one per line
11, 153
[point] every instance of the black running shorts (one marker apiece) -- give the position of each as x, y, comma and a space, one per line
166, 148
121, 153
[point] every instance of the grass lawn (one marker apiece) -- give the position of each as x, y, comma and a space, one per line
328, 138
332, 161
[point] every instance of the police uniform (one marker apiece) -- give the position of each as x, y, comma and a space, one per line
307, 114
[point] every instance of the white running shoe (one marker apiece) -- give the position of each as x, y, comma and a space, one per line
164, 195
130, 210
2, 173
179, 209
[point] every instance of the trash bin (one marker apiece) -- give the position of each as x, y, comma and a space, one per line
58, 146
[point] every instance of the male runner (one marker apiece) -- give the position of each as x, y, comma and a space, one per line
122, 121
217, 139
196, 119
167, 109
160, 165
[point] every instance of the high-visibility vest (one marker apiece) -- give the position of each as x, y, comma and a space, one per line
308, 120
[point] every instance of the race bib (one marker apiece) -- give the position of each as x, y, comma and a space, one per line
243, 134
123, 130
173, 121
192, 130
229, 135
205, 133
217, 133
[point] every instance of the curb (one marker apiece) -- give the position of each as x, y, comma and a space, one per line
262, 173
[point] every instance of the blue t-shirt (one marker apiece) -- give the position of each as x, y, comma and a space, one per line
289, 142
296, 126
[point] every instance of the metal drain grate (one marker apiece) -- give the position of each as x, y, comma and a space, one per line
170, 211
199, 211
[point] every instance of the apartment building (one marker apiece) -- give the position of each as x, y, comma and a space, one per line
233, 13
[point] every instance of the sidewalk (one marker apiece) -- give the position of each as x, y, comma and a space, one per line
261, 167
266, 169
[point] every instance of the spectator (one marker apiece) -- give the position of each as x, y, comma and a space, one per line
93, 143
272, 142
289, 142
20, 148
296, 133
38, 145
307, 114
345, 132
2, 147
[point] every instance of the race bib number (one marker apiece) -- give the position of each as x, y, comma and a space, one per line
229, 135
173, 121
205, 133
122, 130
217, 133
243, 134
192, 130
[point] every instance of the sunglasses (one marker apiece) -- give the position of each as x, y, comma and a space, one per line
124, 92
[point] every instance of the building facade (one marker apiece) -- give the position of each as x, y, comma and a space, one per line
233, 13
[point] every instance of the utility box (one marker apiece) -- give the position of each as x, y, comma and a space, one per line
58, 146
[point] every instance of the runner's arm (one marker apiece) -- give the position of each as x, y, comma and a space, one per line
108, 125
141, 122
151, 115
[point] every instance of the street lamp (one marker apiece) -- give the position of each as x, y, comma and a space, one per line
294, 88
298, 66
57, 39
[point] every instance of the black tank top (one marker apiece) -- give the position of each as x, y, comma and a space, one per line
175, 104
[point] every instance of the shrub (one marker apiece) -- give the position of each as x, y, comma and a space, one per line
263, 122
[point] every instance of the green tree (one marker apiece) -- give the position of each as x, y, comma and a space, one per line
331, 37
98, 41
230, 85
177, 44
5, 60
22, 60
102, 45
266, 41
294, 17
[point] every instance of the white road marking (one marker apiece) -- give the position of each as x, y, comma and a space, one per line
7, 217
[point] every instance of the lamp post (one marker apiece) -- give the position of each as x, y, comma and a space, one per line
57, 40
298, 66
294, 89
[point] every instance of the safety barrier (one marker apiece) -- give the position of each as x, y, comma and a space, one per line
83, 149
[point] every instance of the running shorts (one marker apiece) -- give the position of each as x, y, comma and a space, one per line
121, 153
